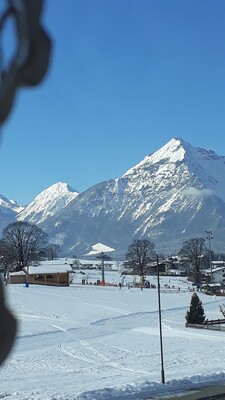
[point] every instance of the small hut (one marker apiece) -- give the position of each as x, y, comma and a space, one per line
46, 273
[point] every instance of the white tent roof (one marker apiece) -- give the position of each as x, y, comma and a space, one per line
99, 248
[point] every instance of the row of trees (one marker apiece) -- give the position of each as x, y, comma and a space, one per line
193, 253
24, 243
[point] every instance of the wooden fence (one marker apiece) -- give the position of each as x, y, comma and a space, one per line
175, 290
213, 324
215, 321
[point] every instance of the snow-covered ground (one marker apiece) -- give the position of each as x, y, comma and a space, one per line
88, 342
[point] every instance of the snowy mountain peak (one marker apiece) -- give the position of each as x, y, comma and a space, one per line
179, 151
60, 187
49, 202
171, 152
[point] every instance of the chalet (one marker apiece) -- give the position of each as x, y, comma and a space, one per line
53, 273
218, 275
213, 288
166, 267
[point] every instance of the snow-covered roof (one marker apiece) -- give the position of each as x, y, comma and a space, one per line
218, 262
218, 269
212, 285
17, 273
58, 261
49, 268
208, 271
96, 261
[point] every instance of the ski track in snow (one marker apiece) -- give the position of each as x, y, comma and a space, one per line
99, 357
109, 308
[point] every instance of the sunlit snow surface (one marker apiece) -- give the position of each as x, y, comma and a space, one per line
87, 342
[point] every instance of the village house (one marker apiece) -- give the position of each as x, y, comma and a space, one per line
218, 275
166, 267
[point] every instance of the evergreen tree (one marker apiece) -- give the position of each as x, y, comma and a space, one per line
195, 315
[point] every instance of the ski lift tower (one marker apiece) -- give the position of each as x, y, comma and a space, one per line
100, 251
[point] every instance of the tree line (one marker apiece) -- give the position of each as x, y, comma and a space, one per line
194, 256
24, 243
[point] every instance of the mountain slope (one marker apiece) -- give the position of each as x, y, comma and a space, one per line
49, 202
174, 194
8, 211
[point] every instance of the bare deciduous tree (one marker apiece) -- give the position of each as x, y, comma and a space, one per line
25, 241
52, 251
193, 250
139, 254
7, 256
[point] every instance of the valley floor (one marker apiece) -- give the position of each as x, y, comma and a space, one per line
87, 342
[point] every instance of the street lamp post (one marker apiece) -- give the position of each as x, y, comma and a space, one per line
209, 237
160, 324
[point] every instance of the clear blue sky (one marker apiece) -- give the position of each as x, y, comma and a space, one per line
126, 76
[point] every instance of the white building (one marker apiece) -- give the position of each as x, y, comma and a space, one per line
218, 275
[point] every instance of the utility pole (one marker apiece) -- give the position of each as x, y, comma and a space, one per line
160, 324
209, 237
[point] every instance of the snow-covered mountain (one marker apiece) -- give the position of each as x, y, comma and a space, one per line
170, 196
48, 203
174, 194
8, 211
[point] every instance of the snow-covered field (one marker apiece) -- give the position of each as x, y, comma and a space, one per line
87, 342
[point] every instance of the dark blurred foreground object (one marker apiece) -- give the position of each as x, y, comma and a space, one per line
7, 328
31, 59
27, 67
